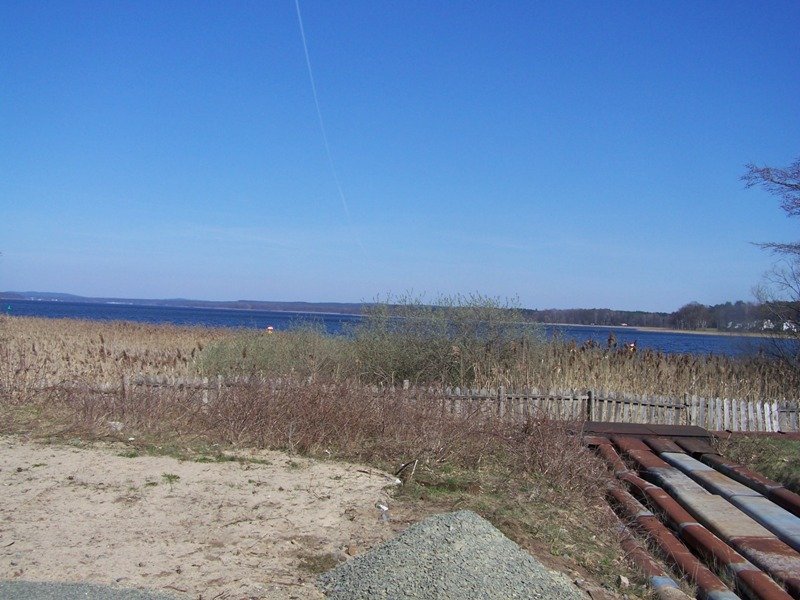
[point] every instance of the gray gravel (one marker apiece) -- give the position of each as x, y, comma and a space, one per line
454, 556
32, 590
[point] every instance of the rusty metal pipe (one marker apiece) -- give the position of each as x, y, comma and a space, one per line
664, 587
782, 523
741, 532
710, 586
749, 579
771, 489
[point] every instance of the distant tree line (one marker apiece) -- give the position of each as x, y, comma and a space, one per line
599, 316
729, 316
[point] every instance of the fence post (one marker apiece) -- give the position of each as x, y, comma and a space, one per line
688, 417
589, 405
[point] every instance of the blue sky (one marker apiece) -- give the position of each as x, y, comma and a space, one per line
568, 154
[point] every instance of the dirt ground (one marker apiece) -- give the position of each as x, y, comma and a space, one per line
202, 530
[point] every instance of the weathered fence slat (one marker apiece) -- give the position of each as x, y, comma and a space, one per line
768, 415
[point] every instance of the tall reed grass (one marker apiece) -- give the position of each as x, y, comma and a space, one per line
478, 342
472, 342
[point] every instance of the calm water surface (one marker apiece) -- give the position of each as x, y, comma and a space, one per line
335, 323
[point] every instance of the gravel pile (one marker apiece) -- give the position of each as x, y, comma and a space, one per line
454, 556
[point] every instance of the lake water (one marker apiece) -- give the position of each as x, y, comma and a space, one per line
668, 342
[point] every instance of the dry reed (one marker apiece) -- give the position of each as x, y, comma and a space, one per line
40, 353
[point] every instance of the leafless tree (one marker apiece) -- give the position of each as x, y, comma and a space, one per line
785, 184
780, 292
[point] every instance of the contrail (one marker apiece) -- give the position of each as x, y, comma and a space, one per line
322, 129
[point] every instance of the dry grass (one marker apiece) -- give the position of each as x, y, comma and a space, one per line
534, 480
545, 366
40, 352
567, 366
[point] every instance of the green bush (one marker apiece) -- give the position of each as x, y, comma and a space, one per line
462, 340
305, 352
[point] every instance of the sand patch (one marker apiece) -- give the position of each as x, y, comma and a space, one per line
206, 530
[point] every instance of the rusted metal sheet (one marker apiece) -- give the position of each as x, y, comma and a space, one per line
672, 549
643, 430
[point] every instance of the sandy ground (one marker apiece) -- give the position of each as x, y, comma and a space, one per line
227, 530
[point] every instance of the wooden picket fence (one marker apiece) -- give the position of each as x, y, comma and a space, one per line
716, 414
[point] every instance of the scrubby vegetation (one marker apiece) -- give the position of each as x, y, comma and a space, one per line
343, 397
471, 342
515, 474
479, 342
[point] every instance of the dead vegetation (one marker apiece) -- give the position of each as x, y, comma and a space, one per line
532, 479
36, 353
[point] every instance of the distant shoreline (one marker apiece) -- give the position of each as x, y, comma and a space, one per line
668, 330
758, 334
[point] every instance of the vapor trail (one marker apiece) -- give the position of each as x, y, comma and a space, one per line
322, 129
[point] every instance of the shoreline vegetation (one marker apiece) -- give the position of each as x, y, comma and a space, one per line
466, 342
533, 479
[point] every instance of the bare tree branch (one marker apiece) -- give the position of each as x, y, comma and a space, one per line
784, 183
780, 293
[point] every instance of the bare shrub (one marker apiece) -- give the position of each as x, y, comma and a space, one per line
460, 340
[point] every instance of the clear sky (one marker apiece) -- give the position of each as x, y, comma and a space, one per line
570, 154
